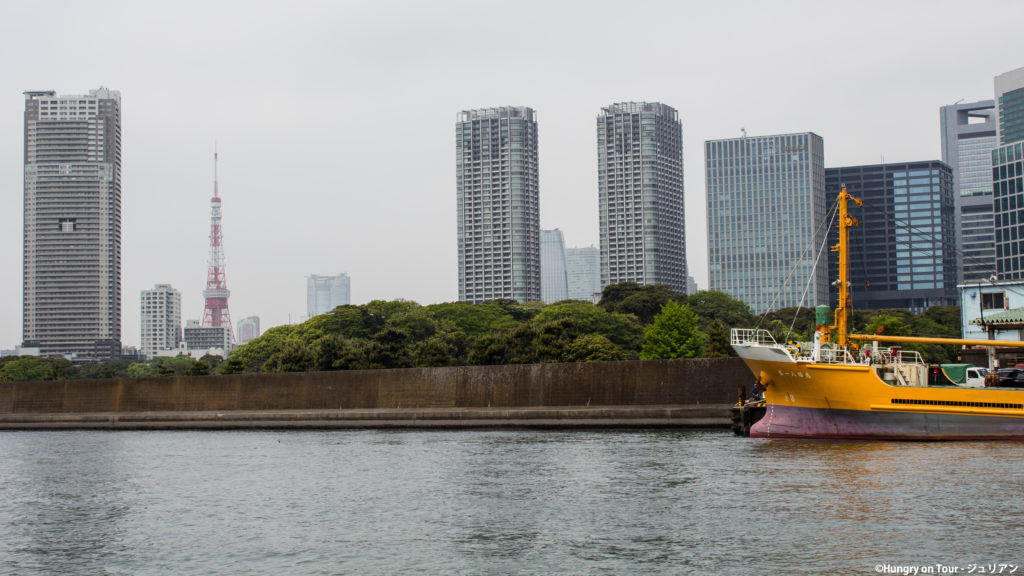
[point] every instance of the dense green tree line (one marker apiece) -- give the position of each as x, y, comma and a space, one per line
629, 322
28, 368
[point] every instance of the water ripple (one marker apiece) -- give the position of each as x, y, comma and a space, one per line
498, 502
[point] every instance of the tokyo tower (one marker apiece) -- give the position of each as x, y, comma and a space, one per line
216, 293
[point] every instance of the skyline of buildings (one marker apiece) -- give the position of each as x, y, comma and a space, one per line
498, 200
765, 208
641, 200
72, 224
497, 204
325, 293
901, 250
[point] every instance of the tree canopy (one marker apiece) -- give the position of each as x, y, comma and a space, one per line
673, 334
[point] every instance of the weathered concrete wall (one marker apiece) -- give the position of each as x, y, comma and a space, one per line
594, 384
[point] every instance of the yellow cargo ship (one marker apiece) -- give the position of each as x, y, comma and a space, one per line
832, 389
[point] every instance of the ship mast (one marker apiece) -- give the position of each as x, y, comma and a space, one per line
845, 306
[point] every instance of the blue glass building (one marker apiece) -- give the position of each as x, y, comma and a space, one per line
1009, 97
902, 253
1008, 209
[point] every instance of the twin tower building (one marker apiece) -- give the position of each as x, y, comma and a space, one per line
774, 182
640, 192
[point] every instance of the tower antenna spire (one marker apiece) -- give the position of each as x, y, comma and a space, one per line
216, 193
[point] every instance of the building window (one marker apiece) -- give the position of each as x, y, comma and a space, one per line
992, 301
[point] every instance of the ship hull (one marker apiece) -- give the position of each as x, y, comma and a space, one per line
817, 400
799, 422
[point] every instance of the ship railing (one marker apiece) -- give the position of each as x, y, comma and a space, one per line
897, 356
826, 355
752, 336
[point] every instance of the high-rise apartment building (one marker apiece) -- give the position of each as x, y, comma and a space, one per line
640, 195
248, 329
766, 208
900, 252
1009, 98
498, 204
161, 319
583, 269
72, 250
968, 137
554, 282
325, 293
1008, 210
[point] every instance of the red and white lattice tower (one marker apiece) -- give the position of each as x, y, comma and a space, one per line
216, 293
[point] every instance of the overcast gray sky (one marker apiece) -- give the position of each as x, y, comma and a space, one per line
335, 120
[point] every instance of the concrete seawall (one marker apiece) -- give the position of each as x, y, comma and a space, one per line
694, 392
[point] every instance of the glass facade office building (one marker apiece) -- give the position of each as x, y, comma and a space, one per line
968, 137
1007, 165
640, 195
498, 204
554, 282
766, 209
1008, 210
901, 253
1009, 97
583, 267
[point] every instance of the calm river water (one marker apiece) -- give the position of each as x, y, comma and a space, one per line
501, 502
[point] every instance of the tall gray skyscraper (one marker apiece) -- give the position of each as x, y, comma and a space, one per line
554, 282
766, 209
72, 258
640, 195
583, 268
498, 203
161, 319
325, 293
968, 136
